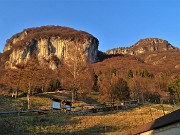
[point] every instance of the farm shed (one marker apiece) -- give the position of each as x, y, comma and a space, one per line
67, 105
56, 103
59, 104
165, 125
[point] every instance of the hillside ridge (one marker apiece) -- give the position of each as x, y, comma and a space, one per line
27, 35
52, 45
144, 46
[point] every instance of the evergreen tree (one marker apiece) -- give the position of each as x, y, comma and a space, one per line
145, 73
113, 71
57, 84
130, 74
174, 90
95, 86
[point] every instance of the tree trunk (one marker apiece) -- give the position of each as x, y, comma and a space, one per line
42, 89
28, 96
28, 100
16, 93
13, 94
72, 96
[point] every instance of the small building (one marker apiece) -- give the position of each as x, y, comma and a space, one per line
59, 104
67, 105
56, 103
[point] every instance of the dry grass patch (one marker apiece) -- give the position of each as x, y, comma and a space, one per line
59, 122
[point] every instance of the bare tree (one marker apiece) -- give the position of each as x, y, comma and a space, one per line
75, 62
26, 77
12, 80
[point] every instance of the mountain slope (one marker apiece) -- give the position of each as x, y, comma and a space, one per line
52, 45
155, 62
144, 46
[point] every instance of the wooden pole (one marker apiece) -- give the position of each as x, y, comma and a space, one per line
28, 95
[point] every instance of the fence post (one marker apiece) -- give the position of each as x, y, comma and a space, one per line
162, 107
151, 112
117, 106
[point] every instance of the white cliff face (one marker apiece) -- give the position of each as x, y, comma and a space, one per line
52, 45
118, 51
46, 49
140, 50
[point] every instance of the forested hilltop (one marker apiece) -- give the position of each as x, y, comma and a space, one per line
44, 59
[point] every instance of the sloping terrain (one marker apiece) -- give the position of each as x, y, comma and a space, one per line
156, 62
58, 122
51, 45
144, 46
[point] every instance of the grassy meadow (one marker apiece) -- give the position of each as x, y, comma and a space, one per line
59, 122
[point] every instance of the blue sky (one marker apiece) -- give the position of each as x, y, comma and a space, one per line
116, 23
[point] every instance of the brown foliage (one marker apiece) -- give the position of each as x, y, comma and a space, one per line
26, 75
47, 32
75, 73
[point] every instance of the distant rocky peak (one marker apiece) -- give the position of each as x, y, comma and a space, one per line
153, 44
143, 46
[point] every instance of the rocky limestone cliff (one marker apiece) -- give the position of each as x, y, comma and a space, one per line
143, 46
51, 44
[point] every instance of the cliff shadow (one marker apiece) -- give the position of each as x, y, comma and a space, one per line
103, 56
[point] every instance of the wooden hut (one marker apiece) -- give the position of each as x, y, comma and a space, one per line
67, 105
56, 103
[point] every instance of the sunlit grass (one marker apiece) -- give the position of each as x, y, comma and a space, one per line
64, 123
56, 121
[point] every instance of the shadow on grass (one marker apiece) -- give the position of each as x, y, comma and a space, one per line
94, 130
35, 123
8, 103
68, 96
52, 123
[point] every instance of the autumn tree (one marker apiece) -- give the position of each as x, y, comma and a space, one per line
12, 79
120, 90
75, 63
138, 88
105, 89
34, 77
53, 85
114, 88
142, 86
30, 77
44, 76
86, 82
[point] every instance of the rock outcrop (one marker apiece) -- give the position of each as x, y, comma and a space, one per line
51, 44
143, 46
